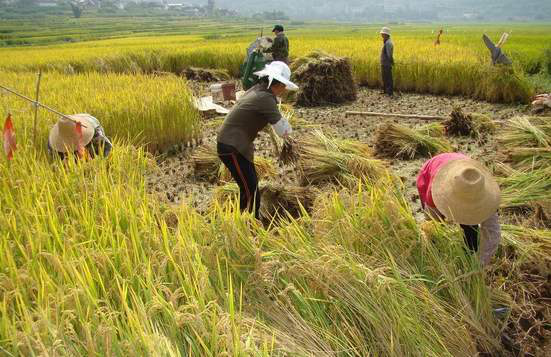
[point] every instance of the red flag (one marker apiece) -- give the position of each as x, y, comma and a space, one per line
9, 138
81, 151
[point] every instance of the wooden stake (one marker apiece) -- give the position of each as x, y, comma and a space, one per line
392, 115
36, 106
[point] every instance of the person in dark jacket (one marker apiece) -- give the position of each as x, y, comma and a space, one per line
387, 62
280, 46
88, 140
257, 108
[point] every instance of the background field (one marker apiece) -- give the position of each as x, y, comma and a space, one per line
94, 264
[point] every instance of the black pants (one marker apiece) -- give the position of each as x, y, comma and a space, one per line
471, 237
244, 174
388, 83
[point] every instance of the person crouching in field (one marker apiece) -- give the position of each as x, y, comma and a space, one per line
257, 108
455, 187
387, 62
84, 141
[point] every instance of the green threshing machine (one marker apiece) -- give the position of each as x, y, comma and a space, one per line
254, 62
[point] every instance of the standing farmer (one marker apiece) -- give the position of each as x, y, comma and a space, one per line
257, 108
387, 61
280, 46
455, 187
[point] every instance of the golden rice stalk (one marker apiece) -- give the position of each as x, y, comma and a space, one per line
527, 132
523, 188
319, 165
276, 199
534, 244
530, 158
207, 166
395, 140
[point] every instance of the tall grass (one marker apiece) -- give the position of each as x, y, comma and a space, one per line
157, 112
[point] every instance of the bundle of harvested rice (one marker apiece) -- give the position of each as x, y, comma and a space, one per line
276, 199
475, 125
527, 132
534, 244
524, 188
207, 166
205, 74
530, 158
319, 165
324, 79
395, 140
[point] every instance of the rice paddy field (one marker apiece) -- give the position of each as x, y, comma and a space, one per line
141, 254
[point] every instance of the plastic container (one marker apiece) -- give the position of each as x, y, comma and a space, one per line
228, 91
216, 92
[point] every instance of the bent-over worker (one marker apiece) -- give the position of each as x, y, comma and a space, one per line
280, 45
64, 138
462, 190
387, 62
498, 57
257, 108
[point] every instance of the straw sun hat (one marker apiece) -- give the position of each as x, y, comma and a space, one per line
465, 192
279, 71
63, 135
385, 31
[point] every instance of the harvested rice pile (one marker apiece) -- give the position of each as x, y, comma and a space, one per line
205, 74
475, 125
276, 199
323, 79
398, 141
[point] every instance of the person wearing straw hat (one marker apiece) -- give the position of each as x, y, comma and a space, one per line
257, 108
280, 45
387, 62
462, 190
66, 139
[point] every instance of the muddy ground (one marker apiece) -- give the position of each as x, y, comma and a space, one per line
175, 181
527, 333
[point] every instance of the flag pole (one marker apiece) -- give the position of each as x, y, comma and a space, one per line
36, 106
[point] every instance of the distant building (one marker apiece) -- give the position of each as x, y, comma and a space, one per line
46, 3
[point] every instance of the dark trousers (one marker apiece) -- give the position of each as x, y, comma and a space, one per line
388, 83
244, 174
471, 237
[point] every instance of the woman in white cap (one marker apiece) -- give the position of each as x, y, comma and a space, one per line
66, 138
387, 61
463, 191
257, 108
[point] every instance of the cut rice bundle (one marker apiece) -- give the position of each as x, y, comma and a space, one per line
527, 132
475, 125
398, 141
525, 188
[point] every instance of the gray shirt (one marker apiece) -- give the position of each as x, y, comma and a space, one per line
252, 112
387, 53
498, 57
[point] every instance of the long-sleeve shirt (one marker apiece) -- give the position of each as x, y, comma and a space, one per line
490, 229
387, 53
280, 48
100, 143
252, 112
